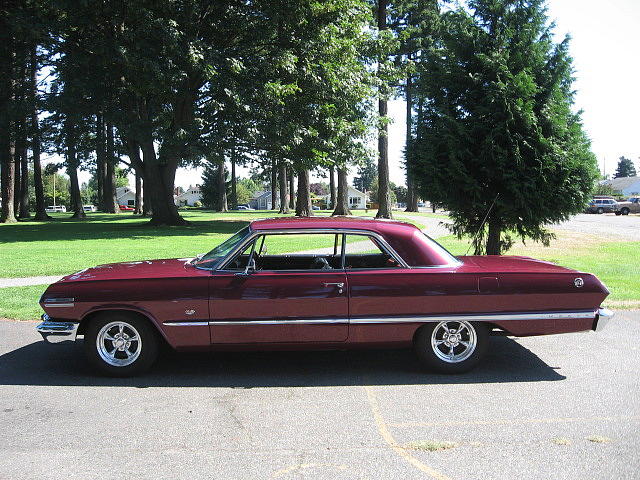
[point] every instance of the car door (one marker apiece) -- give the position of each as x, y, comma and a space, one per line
284, 299
387, 299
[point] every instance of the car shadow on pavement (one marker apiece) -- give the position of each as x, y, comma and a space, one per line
64, 365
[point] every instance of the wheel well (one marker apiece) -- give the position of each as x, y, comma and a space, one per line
87, 319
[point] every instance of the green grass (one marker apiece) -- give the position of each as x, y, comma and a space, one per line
63, 246
21, 303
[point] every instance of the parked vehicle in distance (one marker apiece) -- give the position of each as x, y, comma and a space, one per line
243, 207
89, 208
55, 209
631, 205
126, 208
602, 204
319, 283
315, 207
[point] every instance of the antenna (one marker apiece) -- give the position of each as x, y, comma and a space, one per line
482, 224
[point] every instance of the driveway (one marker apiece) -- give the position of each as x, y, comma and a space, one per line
561, 407
627, 227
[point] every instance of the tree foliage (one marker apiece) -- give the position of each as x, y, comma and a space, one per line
626, 168
498, 132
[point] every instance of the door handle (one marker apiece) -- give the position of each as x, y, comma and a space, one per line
340, 285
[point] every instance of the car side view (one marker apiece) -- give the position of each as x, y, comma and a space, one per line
318, 283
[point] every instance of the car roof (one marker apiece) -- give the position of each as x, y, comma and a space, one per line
382, 226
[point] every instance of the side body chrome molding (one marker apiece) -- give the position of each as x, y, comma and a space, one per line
481, 317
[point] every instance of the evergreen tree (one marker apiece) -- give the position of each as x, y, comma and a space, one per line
498, 132
626, 168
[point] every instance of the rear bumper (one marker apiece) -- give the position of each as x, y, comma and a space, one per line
603, 317
54, 331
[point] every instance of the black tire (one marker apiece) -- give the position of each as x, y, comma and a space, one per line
618, 214
624, 211
145, 349
600, 211
422, 345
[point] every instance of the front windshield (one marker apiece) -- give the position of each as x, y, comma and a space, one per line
215, 256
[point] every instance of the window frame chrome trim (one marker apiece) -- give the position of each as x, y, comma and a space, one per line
293, 231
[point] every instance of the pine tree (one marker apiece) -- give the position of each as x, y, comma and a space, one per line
498, 132
626, 168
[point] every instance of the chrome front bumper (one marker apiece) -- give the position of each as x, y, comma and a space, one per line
53, 331
603, 317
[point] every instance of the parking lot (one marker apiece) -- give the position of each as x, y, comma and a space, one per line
624, 226
562, 407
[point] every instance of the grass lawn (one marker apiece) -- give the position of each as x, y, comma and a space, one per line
63, 246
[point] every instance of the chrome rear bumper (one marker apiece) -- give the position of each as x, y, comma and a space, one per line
603, 317
54, 331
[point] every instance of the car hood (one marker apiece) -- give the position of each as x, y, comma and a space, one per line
510, 264
163, 268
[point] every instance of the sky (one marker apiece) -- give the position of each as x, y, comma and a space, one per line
605, 42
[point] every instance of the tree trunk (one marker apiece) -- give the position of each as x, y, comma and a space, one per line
222, 188
292, 189
158, 188
138, 205
234, 182
146, 205
109, 195
384, 201
303, 199
100, 161
412, 198
17, 162
72, 171
274, 181
7, 145
38, 184
283, 184
494, 245
342, 197
24, 174
332, 189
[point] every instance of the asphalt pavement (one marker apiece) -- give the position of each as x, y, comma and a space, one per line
555, 407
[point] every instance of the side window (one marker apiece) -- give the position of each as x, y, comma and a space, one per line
295, 251
363, 251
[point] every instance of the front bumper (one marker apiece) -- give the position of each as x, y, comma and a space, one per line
53, 331
602, 318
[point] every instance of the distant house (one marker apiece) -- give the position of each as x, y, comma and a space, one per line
625, 185
189, 197
357, 199
126, 196
261, 201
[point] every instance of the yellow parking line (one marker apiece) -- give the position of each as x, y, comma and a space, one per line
386, 435
516, 421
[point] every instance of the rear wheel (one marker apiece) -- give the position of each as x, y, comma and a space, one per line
625, 211
120, 344
452, 346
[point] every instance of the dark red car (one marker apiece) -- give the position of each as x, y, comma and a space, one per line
126, 208
317, 283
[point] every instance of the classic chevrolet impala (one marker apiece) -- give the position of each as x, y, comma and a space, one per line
318, 283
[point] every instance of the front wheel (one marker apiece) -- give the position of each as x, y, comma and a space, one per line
600, 211
625, 211
452, 346
119, 344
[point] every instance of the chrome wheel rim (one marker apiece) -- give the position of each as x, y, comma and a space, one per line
119, 344
454, 342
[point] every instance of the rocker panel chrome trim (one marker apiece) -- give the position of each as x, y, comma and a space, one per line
478, 317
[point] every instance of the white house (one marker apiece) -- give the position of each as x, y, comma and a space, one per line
126, 196
189, 197
261, 201
625, 185
357, 199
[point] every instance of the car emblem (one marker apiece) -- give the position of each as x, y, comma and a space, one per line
191, 312
578, 282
